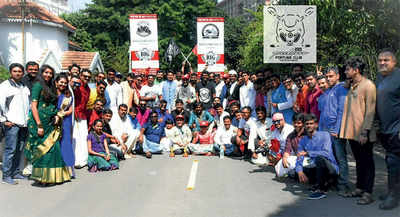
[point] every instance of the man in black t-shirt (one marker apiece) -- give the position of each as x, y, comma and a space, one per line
205, 91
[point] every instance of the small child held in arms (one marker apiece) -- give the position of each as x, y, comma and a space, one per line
99, 154
203, 141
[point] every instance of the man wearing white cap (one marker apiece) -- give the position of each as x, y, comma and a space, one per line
279, 135
233, 89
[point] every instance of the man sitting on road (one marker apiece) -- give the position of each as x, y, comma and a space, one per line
278, 140
151, 136
122, 129
203, 141
263, 137
318, 146
246, 134
224, 136
180, 136
288, 162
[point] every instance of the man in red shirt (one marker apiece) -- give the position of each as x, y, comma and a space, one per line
312, 95
80, 131
95, 113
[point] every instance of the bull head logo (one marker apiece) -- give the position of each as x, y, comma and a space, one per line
290, 27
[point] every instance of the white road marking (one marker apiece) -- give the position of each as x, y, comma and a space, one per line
192, 177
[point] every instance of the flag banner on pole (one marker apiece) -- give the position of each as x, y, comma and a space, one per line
290, 34
210, 44
144, 42
172, 51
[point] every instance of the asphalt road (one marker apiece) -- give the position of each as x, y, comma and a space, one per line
157, 187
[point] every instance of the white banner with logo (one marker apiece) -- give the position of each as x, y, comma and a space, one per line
144, 42
290, 34
210, 44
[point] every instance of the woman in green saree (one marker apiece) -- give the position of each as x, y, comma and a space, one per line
44, 125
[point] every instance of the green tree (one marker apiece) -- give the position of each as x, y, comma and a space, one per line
4, 75
345, 28
104, 26
234, 38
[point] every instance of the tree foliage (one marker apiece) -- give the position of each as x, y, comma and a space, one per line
104, 26
4, 75
345, 28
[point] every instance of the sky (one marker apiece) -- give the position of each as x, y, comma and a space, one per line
76, 5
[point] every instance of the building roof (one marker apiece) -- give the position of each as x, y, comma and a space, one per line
86, 60
74, 46
12, 11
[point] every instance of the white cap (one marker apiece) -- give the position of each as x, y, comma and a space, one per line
232, 72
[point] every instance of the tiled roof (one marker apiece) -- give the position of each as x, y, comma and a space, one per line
11, 9
83, 59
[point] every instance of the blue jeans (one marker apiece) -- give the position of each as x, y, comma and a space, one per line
229, 148
13, 149
339, 148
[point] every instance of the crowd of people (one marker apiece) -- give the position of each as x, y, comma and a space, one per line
300, 123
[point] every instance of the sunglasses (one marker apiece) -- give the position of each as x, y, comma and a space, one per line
276, 121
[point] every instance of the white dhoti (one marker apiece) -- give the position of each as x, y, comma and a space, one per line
281, 171
80, 134
201, 148
133, 136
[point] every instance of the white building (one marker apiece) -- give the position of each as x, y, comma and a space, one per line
45, 34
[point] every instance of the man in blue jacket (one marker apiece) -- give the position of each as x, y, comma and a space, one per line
317, 146
331, 107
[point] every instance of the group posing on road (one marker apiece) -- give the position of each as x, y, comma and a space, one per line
299, 123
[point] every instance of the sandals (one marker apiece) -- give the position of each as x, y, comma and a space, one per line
365, 199
148, 155
356, 193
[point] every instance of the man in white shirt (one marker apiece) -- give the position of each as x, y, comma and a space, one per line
263, 131
220, 115
127, 89
186, 93
247, 93
14, 108
247, 133
113, 91
122, 129
278, 140
224, 135
219, 85
151, 93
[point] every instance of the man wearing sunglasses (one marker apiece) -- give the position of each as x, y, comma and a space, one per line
97, 94
80, 132
278, 138
151, 135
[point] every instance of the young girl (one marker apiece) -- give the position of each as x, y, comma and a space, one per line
203, 141
99, 155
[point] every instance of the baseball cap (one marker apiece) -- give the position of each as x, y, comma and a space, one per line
203, 124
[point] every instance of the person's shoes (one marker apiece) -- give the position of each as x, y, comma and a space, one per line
9, 180
19, 176
390, 202
356, 193
148, 155
365, 199
344, 193
316, 195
